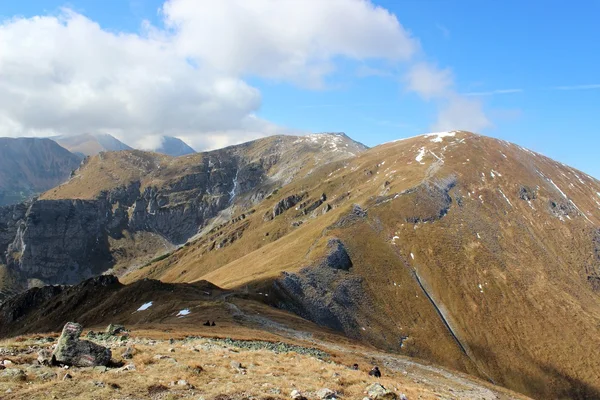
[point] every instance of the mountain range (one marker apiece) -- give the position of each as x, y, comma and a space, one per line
463, 250
30, 166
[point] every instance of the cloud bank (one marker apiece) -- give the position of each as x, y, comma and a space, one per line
65, 74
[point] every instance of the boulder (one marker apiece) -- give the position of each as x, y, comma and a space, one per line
70, 350
325, 394
377, 391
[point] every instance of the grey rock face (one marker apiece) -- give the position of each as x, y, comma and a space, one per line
70, 350
286, 203
327, 294
67, 241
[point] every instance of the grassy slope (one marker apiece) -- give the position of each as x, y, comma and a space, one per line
533, 324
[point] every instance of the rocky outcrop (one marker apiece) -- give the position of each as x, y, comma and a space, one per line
70, 350
285, 204
327, 294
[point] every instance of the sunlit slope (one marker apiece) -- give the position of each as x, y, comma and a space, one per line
470, 251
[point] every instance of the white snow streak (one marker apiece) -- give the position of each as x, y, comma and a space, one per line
145, 306
505, 198
420, 155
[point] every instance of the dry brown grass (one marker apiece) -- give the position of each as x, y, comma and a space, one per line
206, 366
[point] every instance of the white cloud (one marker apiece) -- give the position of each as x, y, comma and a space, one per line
494, 92
460, 113
455, 111
428, 81
285, 39
577, 87
67, 75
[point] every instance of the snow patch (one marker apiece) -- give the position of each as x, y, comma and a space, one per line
420, 155
412, 256
440, 135
505, 198
145, 306
183, 312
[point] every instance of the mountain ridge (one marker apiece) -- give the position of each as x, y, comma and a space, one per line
467, 251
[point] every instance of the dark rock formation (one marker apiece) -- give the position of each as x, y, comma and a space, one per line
327, 294
70, 350
527, 194
285, 204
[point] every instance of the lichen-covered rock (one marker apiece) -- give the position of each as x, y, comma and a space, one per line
70, 350
376, 391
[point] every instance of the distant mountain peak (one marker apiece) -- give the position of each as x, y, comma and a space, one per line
90, 144
173, 146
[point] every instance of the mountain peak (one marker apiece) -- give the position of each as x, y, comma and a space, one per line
173, 146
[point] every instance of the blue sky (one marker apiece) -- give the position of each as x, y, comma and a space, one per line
531, 67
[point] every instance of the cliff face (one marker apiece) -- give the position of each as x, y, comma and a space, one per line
66, 236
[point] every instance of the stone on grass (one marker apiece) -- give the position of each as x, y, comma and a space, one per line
13, 374
376, 391
70, 350
325, 394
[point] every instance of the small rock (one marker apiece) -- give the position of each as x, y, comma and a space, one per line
325, 394
403, 397
99, 384
182, 382
46, 376
171, 350
236, 365
6, 363
67, 377
44, 357
13, 374
128, 367
115, 329
128, 353
297, 395
376, 391
9, 390
100, 369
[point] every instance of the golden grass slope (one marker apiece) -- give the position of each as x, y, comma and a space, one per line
510, 265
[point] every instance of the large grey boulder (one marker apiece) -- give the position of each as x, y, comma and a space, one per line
79, 353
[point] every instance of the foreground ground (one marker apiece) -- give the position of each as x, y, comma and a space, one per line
253, 365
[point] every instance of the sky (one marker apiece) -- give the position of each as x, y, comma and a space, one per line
220, 73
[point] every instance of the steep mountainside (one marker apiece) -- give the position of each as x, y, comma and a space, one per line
124, 208
175, 147
29, 166
91, 144
465, 250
